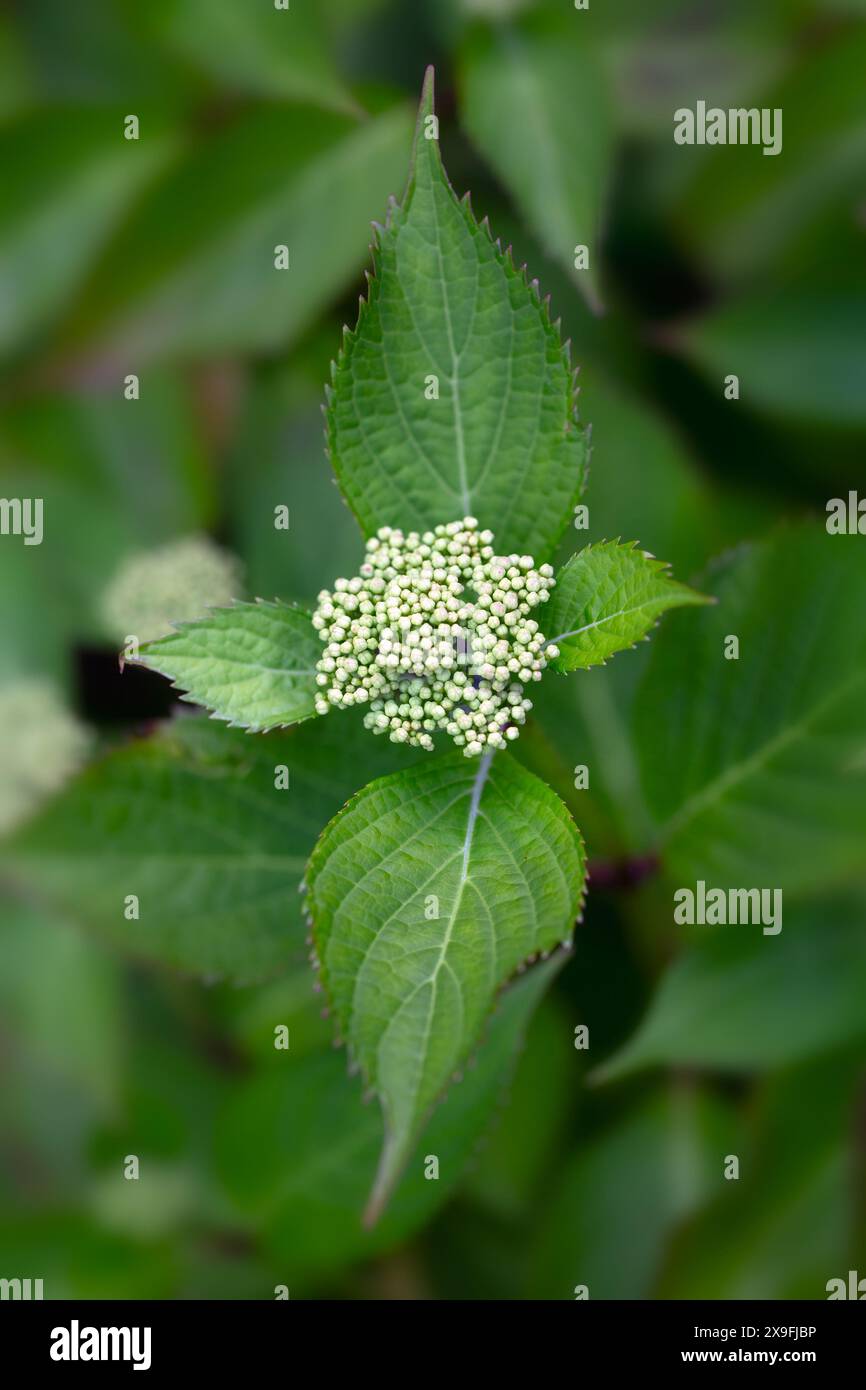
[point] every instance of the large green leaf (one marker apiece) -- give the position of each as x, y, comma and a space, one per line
607, 598
192, 822
535, 101
255, 47
194, 274
427, 893
297, 1150
253, 664
68, 178
446, 302
754, 767
741, 1000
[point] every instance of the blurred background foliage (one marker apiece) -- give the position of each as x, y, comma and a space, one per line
558, 1167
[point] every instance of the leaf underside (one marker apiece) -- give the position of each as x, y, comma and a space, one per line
427, 892
502, 441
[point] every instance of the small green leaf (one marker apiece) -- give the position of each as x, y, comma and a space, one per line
253, 664
447, 303
192, 821
752, 759
427, 893
607, 597
741, 1000
535, 102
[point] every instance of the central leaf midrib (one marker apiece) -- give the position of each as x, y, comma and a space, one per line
475, 795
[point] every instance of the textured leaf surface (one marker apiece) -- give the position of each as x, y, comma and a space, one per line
205, 283
607, 597
742, 1000
253, 664
755, 767
297, 1149
446, 302
427, 893
190, 820
535, 102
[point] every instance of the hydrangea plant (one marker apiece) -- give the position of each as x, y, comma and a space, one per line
453, 430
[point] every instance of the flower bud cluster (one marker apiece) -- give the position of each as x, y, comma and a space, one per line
435, 633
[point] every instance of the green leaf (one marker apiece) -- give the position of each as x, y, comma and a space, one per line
535, 102
297, 1150
741, 1000
253, 664
607, 597
446, 302
754, 768
800, 354
427, 893
608, 1223
256, 47
69, 178
193, 273
192, 822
